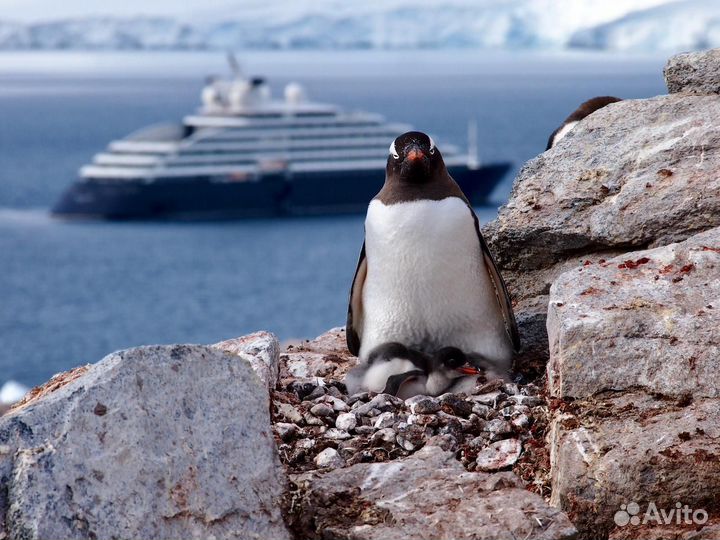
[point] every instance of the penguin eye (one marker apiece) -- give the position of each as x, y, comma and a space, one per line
432, 145
393, 152
455, 362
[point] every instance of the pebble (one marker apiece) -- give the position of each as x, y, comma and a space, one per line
491, 399
329, 459
446, 442
510, 389
321, 409
319, 391
289, 413
385, 420
311, 420
302, 387
384, 435
521, 421
336, 434
498, 455
422, 404
360, 396
286, 431
381, 403
364, 430
498, 429
530, 401
346, 421
455, 404
305, 444
483, 411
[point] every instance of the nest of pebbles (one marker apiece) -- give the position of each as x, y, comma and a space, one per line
500, 426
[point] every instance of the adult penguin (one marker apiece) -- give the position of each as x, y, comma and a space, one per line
425, 277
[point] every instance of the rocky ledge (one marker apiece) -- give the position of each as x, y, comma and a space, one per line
610, 245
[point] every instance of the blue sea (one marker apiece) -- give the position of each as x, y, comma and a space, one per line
71, 293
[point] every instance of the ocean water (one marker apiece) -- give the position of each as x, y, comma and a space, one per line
71, 293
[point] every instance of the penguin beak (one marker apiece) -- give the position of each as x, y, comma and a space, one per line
413, 152
468, 370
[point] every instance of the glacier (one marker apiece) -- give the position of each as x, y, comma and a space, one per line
628, 25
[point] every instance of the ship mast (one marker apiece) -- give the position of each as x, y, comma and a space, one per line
473, 161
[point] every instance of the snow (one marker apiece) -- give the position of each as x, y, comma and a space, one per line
622, 25
679, 26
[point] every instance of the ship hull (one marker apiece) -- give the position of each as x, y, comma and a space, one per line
204, 198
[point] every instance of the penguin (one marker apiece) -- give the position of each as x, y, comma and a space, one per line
585, 109
391, 368
425, 276
451, 370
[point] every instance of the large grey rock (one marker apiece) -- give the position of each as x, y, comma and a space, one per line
647, 319
694, 72
635, 447
428, 495
635, 174
261, 350
153, 442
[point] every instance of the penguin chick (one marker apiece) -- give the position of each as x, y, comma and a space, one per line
451, 370
390, 368
585, 109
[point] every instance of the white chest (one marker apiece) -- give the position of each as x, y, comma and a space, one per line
426, 284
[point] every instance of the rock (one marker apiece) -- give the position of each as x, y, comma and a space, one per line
499, 455
455, 404
153, 442
528, 401
673, 531
346, 421
645, 319
694, 72
615, 449
426, 495
380, 403
422, 404
337, 404
288, 412
483, 411
285, 431
383, 435
261, 350
491, 399
324, 356
634, 174
321, 409
386, 419
336, 434
497, 428
329, 459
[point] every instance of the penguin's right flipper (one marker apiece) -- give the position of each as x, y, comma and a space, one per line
353, 327
394, 382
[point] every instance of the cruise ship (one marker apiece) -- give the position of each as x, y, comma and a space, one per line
244, 154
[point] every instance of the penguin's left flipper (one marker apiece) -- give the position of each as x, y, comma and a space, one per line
353, 327
394, 382
501, 292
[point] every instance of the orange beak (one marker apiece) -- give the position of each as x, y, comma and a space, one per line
468, 370
414, 154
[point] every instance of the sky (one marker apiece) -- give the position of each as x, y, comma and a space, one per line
34, 10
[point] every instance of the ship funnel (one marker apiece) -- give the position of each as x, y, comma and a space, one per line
295, 94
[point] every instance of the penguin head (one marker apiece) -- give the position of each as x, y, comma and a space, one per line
414, 158
447, 366
455, 363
